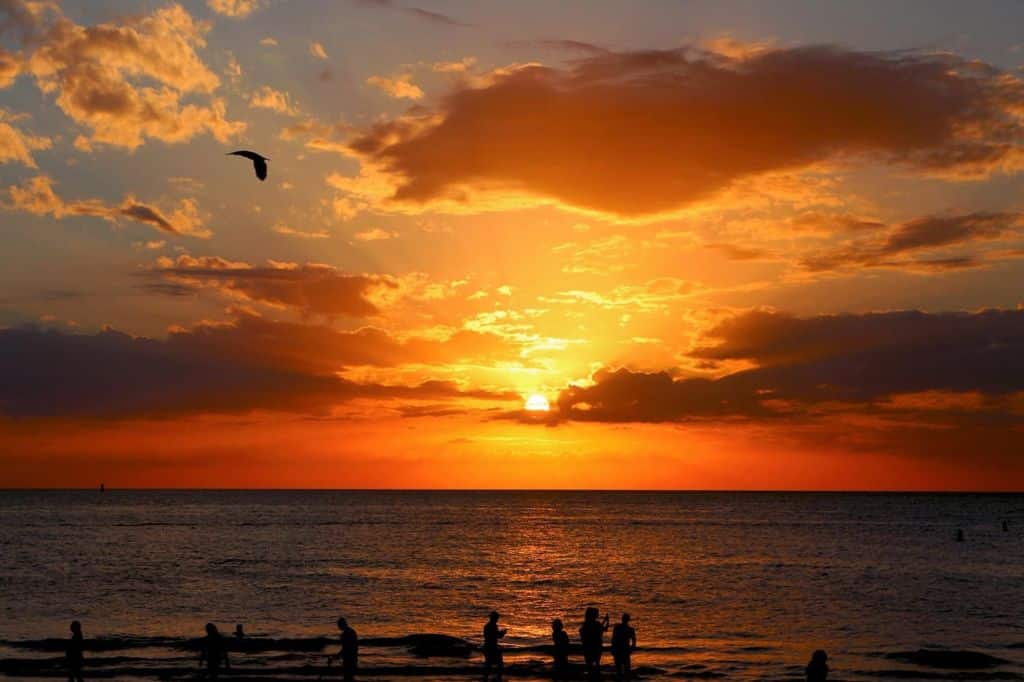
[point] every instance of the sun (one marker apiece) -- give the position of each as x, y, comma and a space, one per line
537, 403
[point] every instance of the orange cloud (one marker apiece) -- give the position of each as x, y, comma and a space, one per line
266, 97
317, 50
10, 66
125, 81
642, 133
17, 145
399, 86
36, 195
317, 135
281, 228
236, 9
374, 235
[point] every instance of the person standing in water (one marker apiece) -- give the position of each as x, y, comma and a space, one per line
560, 638
239, 631
74, 657
817, 668
592, 638
349, 652
213, 651
623, 644
492, 647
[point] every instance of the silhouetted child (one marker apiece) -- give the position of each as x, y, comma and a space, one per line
592, 638
214, 651
1006, 527
349, 652
817, 668
492, 648
239, 632
74, 657
959, 534
623, 643
560, 638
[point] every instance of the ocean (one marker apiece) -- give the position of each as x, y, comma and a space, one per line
729, 585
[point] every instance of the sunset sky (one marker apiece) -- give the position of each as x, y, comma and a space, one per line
761, 245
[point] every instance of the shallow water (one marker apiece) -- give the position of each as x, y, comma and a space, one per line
740, 585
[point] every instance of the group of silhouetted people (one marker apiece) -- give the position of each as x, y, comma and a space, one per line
214, 649
591, 639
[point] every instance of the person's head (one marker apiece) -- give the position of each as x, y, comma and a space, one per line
819, 657
625, 619
76, 627
342, 623
556, 625
211, 630
591, 613
494, 616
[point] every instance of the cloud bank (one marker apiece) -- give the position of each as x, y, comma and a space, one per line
647, 132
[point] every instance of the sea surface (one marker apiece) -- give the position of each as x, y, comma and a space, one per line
738, 586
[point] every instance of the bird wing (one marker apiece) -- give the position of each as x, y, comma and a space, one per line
261, 168
253, 156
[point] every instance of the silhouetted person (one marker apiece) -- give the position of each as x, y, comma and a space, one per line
214, 651
74, 657
592, 638
817, 668
959, 534
560, 638
623, 643
259, 162
492, 647
349, 652
239, 632
1006, 527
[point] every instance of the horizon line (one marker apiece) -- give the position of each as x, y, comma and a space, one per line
881, 491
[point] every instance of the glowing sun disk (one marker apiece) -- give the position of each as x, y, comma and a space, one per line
537, 403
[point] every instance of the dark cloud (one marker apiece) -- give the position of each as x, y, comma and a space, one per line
36, 195
644, 132
320, 349
626, 396
426, 15
170, 289
44, 296
113, 375
920, 235
141, 213
805, 364
309, 288
561, 44
738, 252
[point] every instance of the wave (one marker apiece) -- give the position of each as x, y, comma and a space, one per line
946, 658
929, 675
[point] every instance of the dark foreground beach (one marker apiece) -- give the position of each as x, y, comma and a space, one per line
720, 585
437, 656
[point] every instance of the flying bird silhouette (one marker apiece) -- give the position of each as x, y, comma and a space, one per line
259, 162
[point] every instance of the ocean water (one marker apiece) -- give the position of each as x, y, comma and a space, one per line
720, 585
